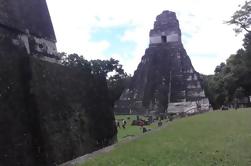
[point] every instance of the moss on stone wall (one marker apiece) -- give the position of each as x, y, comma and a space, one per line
49, 113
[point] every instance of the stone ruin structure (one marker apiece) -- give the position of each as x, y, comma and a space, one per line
29, 24
165, 80
48, 112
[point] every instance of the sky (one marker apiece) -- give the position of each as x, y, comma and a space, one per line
119, 29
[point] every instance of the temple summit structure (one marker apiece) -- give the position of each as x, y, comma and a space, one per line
165, 80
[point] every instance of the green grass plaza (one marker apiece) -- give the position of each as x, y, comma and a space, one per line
211, 139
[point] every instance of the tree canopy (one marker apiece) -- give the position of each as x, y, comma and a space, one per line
111, 70
231, 80
242, 18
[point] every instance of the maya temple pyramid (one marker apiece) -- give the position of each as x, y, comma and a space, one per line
165, 80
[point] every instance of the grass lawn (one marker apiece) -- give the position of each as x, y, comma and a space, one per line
211, 139
131, 131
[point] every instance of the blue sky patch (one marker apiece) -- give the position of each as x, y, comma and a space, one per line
113, 35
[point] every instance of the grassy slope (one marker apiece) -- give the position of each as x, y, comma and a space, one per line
216, 138
130, 130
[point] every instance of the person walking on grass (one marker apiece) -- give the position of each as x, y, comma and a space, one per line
118, 124
124, 124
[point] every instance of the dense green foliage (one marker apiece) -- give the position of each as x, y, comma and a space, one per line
215, 138
110, 70
232, 80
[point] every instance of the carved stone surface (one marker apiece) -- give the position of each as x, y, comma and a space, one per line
165, 74
27, 15
48, 112
29, 23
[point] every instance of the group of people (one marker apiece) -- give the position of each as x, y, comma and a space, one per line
123, 123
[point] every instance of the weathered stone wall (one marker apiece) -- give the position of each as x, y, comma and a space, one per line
165, 29
31, 15
49, 113
29, 23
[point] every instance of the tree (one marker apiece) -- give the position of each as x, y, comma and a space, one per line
219, 68
232, 80
116, 77
224, 86
109, 70
242, 18
74, 60
239, 93
116, 85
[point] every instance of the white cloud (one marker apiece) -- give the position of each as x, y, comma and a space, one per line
75, 20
